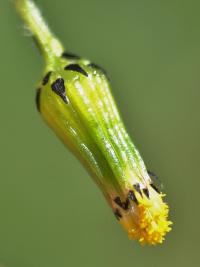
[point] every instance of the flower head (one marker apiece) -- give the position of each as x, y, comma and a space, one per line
74, 98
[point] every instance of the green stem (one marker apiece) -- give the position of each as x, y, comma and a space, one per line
50, 46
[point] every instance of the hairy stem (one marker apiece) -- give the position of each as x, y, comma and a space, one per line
48, 43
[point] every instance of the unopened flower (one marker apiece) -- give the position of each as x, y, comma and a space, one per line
74, 99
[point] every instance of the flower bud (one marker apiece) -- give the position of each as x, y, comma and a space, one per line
74, 98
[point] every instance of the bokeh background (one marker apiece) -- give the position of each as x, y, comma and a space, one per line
51, 213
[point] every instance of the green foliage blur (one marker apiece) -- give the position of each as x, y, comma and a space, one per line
51, 213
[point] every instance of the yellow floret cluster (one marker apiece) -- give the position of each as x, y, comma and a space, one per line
150, 223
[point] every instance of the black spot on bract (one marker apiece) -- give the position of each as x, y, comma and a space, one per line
37, 99
126, 204
156, 182
59, 88
123, 205
95, 66
146, 192
46, 78
117, 214
68, 55
137, 188
155, 188
118, 201
132, 196
77, 68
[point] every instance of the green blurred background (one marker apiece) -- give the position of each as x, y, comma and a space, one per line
51, 213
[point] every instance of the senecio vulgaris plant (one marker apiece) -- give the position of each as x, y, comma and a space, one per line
75, 100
